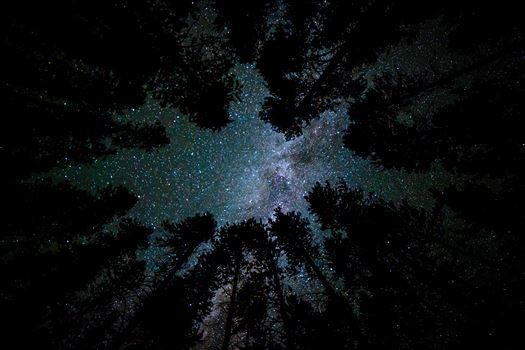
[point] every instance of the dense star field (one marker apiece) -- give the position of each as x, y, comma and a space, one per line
246, 170
262, 175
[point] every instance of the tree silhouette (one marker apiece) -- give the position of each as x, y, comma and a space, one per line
294, 236
229, 256
327, 41
69, 66
39, 285
267, 255
120, 275
313, 327
379, 274
60, 212
386, 257
321, 45
462, 135
169, 297
251, 311
245, 24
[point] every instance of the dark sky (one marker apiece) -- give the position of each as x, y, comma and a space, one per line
242, 171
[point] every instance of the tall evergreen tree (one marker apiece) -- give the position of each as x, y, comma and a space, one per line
40, 284
323, 43
294, 236
462, 135
184, 237
245, 24
70, 65
386, 256
230, 257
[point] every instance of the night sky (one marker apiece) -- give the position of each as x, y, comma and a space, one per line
245, 170
431, 94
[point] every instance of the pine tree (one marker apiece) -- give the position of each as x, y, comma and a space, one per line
184, 238
66, 84
39, 284
322, 44
461, 135
294, 236
386, 256
244, 23
229, 255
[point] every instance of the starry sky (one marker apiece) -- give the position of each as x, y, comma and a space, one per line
245, 170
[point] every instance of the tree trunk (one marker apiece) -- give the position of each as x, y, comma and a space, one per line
374, 11
282, 307
338, 300
229, 319
321, 277
327, 72
137, 317
346, 47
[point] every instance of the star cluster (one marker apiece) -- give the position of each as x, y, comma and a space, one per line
245, 170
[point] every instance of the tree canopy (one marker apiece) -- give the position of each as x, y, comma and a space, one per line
425, 88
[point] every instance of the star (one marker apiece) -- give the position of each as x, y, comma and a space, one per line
243, 171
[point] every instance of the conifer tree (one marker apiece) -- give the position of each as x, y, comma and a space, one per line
184, 237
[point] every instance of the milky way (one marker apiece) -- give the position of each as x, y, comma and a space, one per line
245, 170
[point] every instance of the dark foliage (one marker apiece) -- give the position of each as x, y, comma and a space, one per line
368, 274
245, 24
406, 294
68, 66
